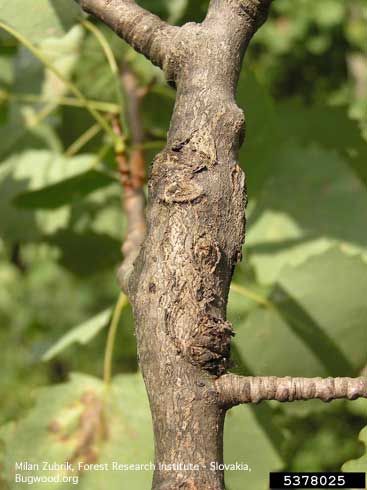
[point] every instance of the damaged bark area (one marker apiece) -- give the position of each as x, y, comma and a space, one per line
195, 232
178, 282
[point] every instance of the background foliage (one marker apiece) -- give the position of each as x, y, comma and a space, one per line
298, 300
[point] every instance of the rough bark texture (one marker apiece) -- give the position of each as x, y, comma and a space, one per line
144, 31
179, 283
196, 219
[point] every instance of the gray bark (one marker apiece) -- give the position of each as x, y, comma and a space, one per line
179, 283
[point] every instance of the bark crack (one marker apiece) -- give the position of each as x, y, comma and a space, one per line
178, 280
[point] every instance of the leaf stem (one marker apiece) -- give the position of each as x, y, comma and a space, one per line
120, 305
35, 119
71, 86
114, 69
237, 288
79, 143
67, 101
104, 44
100, 156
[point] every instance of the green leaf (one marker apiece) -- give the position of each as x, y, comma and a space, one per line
81, 334
78, 250
37, 20
158, 7
118, 424
63, 54
86, 424
20, 131
329, 13
195, 11
176, 9
328, 127
65, 192
33, 78
361, 463
30, 123
246, 441
261, 130
304, 209
31, 171
6, 70
317, 324
92, 73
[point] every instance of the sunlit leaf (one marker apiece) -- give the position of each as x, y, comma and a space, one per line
317, 324
359, 465
304, 209
246, 441
84, 424
37, 20
65, 192
30, 171
329, 127
81, 334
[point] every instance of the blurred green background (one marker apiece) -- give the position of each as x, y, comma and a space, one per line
298, 303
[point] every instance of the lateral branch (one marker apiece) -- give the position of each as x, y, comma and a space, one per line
234, 390
144, 31
132, 173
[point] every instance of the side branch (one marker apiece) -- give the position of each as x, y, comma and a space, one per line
234, 390
144, 31
132, 172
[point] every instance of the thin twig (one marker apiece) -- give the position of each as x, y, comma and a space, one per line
132, 173
65, 101
145, 32
83, 139
70, 85
120, 305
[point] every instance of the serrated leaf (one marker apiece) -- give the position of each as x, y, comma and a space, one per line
37, 20
361, 463
82, 424
81, 334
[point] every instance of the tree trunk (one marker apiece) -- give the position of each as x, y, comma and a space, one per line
196, 219
178, 283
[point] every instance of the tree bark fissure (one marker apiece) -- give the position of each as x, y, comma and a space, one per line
196, 227
179, 283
